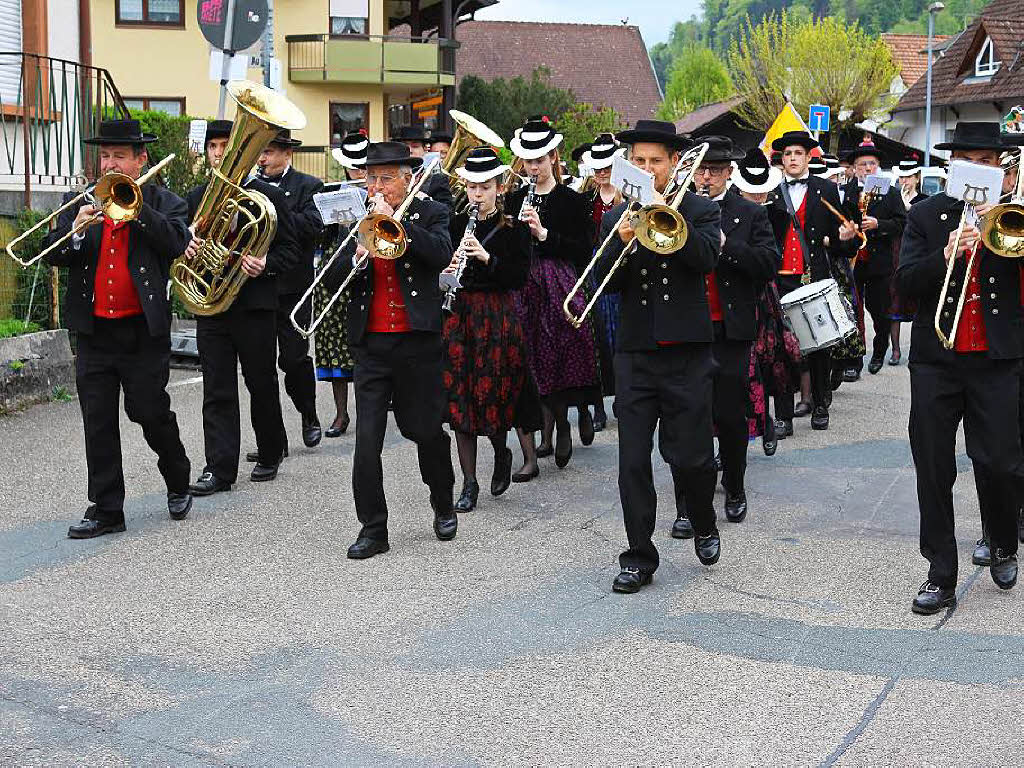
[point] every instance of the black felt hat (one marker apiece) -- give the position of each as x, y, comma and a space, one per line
790, 138
440, 138
411, 133
218, 129
967, 136
720, 149
284, 139
535, 139
656, 132
866, 149
390, 153
120, 132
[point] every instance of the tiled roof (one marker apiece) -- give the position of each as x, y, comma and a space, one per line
953, 79
910, 52
625, 80
706, 114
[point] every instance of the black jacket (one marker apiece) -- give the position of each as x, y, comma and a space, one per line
664, 298
749, 259
819, 223
158, 236
569, 221
428, 253
922, 269
439, 190
261, 292
509, 248
882, 242
298, 189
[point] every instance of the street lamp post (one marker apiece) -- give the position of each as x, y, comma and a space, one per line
933, 9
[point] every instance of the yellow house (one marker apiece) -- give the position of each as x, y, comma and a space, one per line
339, 61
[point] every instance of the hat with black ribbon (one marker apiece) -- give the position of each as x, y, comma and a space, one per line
864, 149
655, 132
120, 132
753, 174
968, 136
817, 166
481, 164
218, 129
907, 167
602, 152
284, 139
535, 139
390, 153
352, 152
795, 138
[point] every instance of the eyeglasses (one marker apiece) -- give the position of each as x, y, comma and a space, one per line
385, 180
707, 170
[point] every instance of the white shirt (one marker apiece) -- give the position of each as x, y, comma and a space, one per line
797, 191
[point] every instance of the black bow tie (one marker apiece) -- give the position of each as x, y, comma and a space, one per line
272, 179
794, 182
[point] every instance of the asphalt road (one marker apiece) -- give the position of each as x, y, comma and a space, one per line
243, 636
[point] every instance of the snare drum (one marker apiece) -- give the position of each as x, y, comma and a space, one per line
818, 316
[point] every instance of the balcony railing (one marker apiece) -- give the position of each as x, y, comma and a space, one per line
384, 59
47, 108
317, 161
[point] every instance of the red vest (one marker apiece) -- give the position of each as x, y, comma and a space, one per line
387, 310
792, 255
114, 291
970, 334
714, 301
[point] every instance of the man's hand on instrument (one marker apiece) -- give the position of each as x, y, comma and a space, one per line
382, 206
86, 218
252, 266
847, 231
968, 239
984, 208
868, 223
192, 249
626, 232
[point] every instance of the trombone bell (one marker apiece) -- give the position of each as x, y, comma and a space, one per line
660, 229
383, 236
1002, 230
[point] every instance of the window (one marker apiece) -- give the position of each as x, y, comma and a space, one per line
986, 64
349, 17
173, 107
156, 12
346, 119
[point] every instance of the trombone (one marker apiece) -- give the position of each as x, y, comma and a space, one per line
658, 228
381, 235
973, 196
118, 196
1002, 228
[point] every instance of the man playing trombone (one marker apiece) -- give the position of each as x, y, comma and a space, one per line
118, 307
394, 328
663, 360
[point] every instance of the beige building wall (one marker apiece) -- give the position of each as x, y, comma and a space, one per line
155, 62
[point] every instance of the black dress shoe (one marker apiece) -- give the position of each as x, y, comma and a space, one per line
446, 525
1003, 569
851, 374
708, 548
562, 457
91, 528
337, 431
586, 426
253, 456
770, 446
311, 432
467, 500
1020, 525
982, 553
366, 547
932, 598
819, 420
631, 580
803, 408
735, 507
894, 358
682, 528
600, 419
263, 473
783, 429
525, 477
543, 451
501, 478
875, 365
207, 484
179, 504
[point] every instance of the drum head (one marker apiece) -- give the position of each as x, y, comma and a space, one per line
809, 291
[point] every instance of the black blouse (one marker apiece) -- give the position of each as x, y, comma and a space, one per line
568, 217
509, 248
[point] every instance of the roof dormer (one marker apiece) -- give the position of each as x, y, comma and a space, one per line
980, 61
985, 63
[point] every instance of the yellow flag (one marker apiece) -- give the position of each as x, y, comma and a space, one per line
788, 120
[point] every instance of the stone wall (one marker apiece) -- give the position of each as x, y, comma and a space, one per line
34, 368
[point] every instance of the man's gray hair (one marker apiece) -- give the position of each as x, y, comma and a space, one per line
405, 170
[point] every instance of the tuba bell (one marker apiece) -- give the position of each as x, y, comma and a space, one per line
233, 221
470, 133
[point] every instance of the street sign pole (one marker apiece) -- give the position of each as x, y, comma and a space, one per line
268, 44
225, 70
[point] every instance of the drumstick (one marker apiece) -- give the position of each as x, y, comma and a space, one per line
846, 222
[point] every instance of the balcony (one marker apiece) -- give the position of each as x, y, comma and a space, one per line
371, 59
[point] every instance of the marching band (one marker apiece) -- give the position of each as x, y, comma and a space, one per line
492, 296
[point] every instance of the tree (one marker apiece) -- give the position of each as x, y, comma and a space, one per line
698, 77
811, 62
503, 105
185, 171
581, 123
684, 35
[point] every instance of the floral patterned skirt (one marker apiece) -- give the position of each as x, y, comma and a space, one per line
774, 358
485, 370
333, 359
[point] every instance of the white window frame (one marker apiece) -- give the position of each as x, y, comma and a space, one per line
986, 65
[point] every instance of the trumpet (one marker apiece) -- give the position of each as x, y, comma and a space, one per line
973, 196
382, 236
454, 282
658, 228
118, 196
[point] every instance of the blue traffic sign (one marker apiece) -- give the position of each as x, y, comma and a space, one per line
818, 118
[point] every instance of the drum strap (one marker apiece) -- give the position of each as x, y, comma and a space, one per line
796, 225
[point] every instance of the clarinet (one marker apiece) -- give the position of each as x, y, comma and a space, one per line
460, 266
530, 199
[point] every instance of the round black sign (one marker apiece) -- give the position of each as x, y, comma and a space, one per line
250, 21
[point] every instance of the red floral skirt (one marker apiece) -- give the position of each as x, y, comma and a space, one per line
485, 374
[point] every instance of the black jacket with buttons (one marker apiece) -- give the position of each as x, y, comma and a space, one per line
819, 223
429, 251
261, 292
298, 189
158, 235
749, 259
664, 298
922, 269
882, 242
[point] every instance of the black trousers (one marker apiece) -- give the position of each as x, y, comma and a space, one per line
985, 394
121, 355
671, 386
293, 356
403, 370
819, 365
875, 293
731, 404
987, 501
246, 336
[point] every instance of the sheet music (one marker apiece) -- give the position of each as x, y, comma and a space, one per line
973, 183
342, 206
632, 182
877, 184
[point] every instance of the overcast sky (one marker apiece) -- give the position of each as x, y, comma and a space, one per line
654, 17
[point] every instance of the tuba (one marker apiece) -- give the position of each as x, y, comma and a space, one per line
233, 221
470, 133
